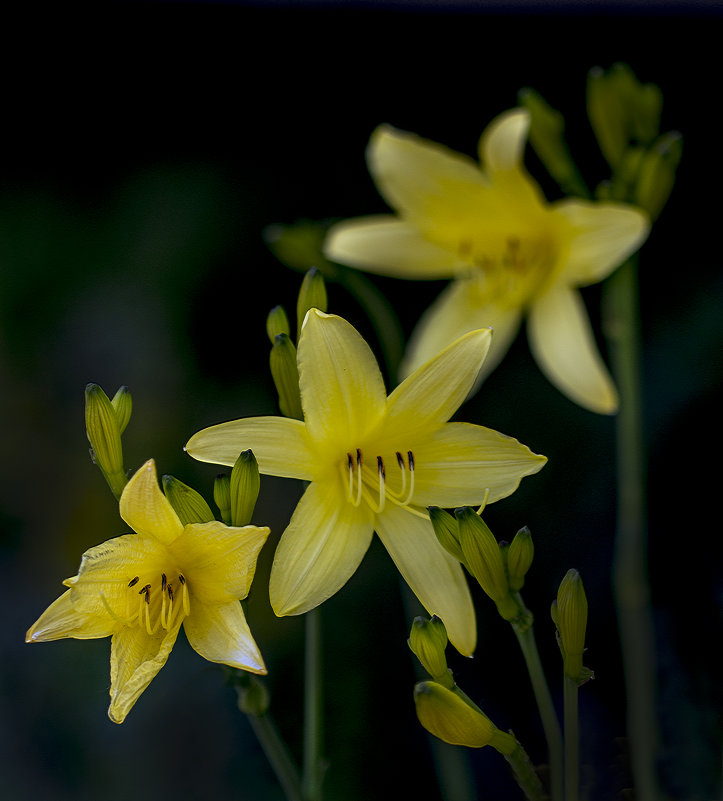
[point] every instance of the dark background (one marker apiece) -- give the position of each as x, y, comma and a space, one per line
144, 149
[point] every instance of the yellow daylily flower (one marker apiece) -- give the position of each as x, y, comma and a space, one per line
139, 588
509, 251
374, 463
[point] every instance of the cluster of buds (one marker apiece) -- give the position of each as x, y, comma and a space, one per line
282, 359
236, 495
498, 567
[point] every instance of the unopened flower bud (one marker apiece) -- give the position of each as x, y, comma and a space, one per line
222, 496
656, 174
605, 110
253, 696
285, 373
312, 295
570, 617
485, 562
447, 530
519, 558
122, 404
448, 716
277, 323
103, 430
428, 640
188, 504
244, 488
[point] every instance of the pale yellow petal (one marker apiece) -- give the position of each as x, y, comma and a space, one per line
433, 575
279, 444
135, 659
389, 246
106, 570
342, 390
218, 561
320, 550
460, 308
421, 179
600, 236
502, 145
564, 347
146, 509
457, 464
61, 619
221, 634
436, 389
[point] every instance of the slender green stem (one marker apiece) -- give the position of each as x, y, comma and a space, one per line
630, 572
313, 708
550, 724
572, 741
525, 776
278, 756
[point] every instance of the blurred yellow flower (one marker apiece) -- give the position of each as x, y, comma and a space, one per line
139, 589
509, 251
374, 463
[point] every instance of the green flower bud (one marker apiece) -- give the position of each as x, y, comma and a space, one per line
253, 696
222, 496
428, 640
244, 488
570, 618
606, 112
188, 504
312, 295
277, 323
285, 373
122, 404
299, 245
447, 530
103, 430
547, 139
519, 558
447, 715
656, 174
485, 562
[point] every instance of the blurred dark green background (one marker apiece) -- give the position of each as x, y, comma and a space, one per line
145, 148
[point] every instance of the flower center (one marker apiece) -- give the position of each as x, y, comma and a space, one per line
155, 602
510, 272
367, 479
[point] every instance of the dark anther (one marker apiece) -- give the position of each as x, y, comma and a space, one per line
350, 461
380, 467
145, 589
358, 457
164, 581
169, 590
410, 459
133, 581
181, 578
400, 461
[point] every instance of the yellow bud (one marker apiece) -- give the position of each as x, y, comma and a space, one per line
428, 640
277, 323
447, 530
285, 373
188, 504
244, 488
519, 558
103, 430
571, 620
312, 295
222, 497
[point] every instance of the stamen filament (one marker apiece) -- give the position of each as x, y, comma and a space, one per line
186, 596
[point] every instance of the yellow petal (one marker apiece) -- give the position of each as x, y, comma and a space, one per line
564, 347
146, 509
219, 561
61, 619
457, 310
280, 445
434, 392
320, 550
135, 659
502, 144
342, 390
422, 180
106, 569
459, 462
600, 237
447, 716
433, 575
389, 246
221, 634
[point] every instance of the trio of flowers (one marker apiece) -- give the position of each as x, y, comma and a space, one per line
371, 461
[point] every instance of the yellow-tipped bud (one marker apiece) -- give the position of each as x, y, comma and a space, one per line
285, 373
446, 715
428, 640
520, 553
570, 617
122, 404
188, 504
222, 496
312, 295
484, 560
277, 323
447, 530
244, 488
104, 435
656, 174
